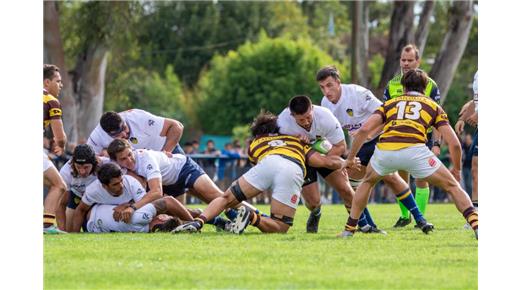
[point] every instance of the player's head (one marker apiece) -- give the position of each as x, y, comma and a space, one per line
121, 152
164, 223
301, 109
264, 124
415, 80
111, 178
410, 58
330, 83
52, 79
84, 160
114, 125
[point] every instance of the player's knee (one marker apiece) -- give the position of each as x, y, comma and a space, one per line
284, 222
229, 199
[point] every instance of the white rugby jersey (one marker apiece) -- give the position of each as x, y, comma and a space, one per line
324, 124
145, 131
101, 219
77, 185
156, 164
355, 105
132, 190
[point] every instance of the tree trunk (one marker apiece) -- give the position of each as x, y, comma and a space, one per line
90, 82
401, 33
359, 67
421, 33
453, 45
53, 54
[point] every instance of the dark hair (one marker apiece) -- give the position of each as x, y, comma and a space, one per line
412, 47
300, 104
117, 145
187, 143
167, 226
49, 70
83, 154
108, 171
112, 123
328, 71
415, 80
264, 123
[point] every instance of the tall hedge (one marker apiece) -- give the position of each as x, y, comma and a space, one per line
262, 75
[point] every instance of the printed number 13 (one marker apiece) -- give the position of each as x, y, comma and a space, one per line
414, 108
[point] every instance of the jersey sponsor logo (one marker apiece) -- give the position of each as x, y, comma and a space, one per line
149, 167
99, 222
151, 122
139, 191
351, 127
277, 143
133, 140
294, 198
350, 112
146, 216
432, 162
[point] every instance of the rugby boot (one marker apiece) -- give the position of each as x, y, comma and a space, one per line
53, 230
425, 226
402, 222
242, 220
313, 222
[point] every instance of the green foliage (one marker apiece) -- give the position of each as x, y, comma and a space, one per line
448, 257
241, 133
140, 88
263, 75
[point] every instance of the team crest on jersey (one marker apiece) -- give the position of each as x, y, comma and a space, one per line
350, 112
133, 140
276, 143
151, 122
54, 112
149, 167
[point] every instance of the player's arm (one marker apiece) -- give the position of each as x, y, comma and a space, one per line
330, 162
338, 149
60, 139
79, 216
465, 112
373, 122
454, 148
154, 192
172, 129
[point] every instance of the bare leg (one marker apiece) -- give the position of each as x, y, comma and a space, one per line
57, 187
268, 225
171, 206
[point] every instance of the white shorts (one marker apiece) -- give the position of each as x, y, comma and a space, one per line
418, 160
102, 221
282, 176
47, 163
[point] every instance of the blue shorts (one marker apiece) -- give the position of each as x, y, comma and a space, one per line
73, 200
366, 151
190, 172
178, 150
474, 146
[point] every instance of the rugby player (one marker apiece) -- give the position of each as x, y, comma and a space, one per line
352, 105
114, 188
406, 120
52, 113
310, 123
78, 173
410, 59
280, 165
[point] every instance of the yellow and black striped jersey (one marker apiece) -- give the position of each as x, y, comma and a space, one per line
289, 147
51, 109
407, 119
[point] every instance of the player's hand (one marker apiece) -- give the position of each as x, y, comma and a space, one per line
459, 127
126, 215
436, 150
456, 173
354, 163
118, 210
168, 153
57, 150
473, 119
305, 139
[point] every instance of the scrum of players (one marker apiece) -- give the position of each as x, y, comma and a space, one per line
129, 174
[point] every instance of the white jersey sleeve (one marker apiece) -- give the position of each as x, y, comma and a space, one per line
66, 174
98, 138
145, 129
135, 189
475, 91
147, 165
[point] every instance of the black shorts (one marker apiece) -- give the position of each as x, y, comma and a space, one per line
190, 172
429, 140
366, 151
312, 174
73, 200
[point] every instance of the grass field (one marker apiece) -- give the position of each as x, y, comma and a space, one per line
404, 259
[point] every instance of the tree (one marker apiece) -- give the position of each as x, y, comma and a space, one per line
453, 45
359, 56
262, 75
401, 33
421, 33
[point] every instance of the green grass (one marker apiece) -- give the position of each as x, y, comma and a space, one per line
404, 259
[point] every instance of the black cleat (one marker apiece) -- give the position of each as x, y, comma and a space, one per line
402, 222
313, 222
425, 226
189, 227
